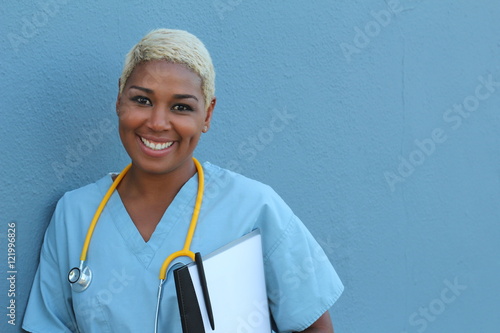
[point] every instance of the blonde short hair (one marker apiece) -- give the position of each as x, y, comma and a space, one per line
175, 46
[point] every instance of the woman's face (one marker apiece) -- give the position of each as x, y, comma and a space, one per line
162, 114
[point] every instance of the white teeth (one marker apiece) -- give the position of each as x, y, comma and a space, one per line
156, 146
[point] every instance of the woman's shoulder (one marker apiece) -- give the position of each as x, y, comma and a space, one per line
87, 193
229, 180
223, 184
74, 210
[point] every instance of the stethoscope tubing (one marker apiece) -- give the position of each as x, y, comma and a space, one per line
186, 252
81, 277
158, 300
100, 208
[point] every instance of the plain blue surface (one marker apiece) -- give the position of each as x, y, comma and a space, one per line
413, 232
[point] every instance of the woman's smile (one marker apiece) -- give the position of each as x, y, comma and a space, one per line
156, 145
162, 114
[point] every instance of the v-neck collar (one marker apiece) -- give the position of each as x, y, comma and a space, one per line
179, 211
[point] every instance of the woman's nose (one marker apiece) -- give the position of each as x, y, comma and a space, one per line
159, 119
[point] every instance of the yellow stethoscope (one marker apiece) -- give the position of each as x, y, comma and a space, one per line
81, 277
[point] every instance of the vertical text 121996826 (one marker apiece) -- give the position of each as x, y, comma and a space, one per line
11, 272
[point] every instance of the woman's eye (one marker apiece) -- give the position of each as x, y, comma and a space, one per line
142, 100
182, 107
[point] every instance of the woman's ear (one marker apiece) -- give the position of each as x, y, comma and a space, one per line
208, 116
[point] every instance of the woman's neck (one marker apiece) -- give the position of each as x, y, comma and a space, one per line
145, 185
146, 196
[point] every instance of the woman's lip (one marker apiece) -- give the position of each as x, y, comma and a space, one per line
155, 148
155, 139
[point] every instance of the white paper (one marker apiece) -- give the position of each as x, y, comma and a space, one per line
237, 288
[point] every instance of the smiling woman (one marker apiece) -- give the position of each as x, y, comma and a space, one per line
160, 124
164, 104
161, 120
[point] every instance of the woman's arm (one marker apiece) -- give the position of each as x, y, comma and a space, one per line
322, 325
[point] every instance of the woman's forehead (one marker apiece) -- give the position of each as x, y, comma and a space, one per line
160, 72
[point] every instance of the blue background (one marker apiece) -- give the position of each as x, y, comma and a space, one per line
400, 188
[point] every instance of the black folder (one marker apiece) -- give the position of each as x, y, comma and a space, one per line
189, 308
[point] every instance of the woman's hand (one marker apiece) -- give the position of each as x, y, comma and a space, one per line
322, 325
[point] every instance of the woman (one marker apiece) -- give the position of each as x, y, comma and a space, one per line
165, 102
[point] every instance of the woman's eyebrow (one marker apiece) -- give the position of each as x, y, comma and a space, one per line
184, 96
176, 96
149, 91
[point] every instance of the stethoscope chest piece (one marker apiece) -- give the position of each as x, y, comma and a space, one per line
79, 278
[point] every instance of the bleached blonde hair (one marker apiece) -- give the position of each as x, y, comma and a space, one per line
175, 46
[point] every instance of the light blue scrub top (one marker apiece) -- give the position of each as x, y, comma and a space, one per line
301, 282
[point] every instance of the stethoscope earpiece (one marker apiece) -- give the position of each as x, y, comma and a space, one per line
80, 279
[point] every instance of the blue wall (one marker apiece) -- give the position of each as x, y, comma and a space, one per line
377, 121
